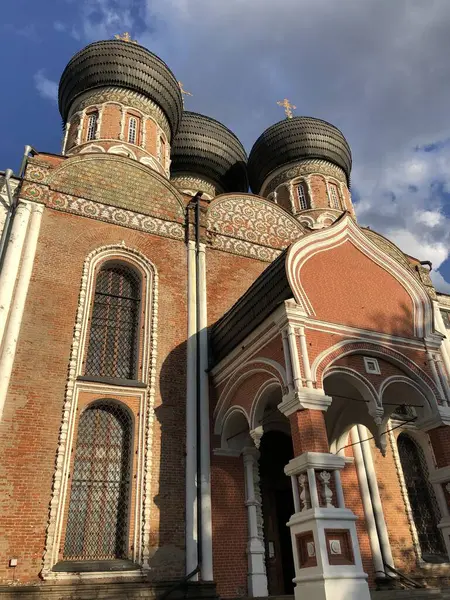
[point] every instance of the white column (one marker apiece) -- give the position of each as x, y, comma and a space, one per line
442, 374
257, 578
367, 505
445, 346
314, 497
339, 491
292, 339
11, 336
11, 262
205, 461
287, 360
305, 357
66, 135
295, 493
436, 377
191, 415
375, 496
80, 127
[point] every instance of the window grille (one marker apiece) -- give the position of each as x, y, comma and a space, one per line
334, 196
132, 130
446, 318
113, 340
421, 496
97, 524
304, 204
92, 127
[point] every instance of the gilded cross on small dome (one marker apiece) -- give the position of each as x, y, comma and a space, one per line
125, 37
183, 91
287, 107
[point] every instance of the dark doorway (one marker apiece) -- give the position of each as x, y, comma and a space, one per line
278, 507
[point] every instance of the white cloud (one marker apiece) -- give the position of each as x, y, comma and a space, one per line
47, 88
439, 282
377, 69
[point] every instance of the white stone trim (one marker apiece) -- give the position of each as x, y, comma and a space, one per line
341, 232
141, 552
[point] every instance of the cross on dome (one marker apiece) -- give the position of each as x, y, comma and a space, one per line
288, 107
125, 37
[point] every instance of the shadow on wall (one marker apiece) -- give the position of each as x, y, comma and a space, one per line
399, 324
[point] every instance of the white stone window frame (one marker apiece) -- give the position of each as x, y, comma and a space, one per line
132, 130
423, 441
372, 365
144, 427
336, 202
302, 193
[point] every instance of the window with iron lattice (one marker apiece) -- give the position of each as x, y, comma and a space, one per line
334, 196
97, 522
113, 337
446, 318
92, 127
424, 507
132, 130
302, 197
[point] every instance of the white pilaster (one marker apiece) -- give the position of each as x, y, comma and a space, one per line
305, 357
257, 578
292, 339
66, 135
11, 336
440, 478
287, 360
10, 268
191, 416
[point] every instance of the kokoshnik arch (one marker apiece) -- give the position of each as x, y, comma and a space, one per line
243, 394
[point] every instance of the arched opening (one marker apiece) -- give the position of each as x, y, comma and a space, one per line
350, 406
277, 505
277, 502
424, 508
97, 522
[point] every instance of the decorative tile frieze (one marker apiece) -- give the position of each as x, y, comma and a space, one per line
228, 244
306, 167
118, 216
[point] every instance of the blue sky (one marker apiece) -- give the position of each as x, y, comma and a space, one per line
378, 69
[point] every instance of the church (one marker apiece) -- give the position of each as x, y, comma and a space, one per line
205, 391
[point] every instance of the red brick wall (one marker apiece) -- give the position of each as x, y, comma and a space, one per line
394, 510
229, 526
33, 411
440, 440
308, 431
363, 294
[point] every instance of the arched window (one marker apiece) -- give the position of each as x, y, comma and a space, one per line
334, 195
302, 197
113, 338
97, 523
132, 130
92, 127
421, 496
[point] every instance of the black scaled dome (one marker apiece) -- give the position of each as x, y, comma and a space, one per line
297, 139
205, 147
126, 65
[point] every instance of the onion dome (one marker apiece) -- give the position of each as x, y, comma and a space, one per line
126, 65
293, 140
204, 147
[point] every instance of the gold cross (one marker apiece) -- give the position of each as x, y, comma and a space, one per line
125, 37
287, 107
183, 91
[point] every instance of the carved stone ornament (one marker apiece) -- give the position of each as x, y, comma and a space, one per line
327, 494
118, 216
